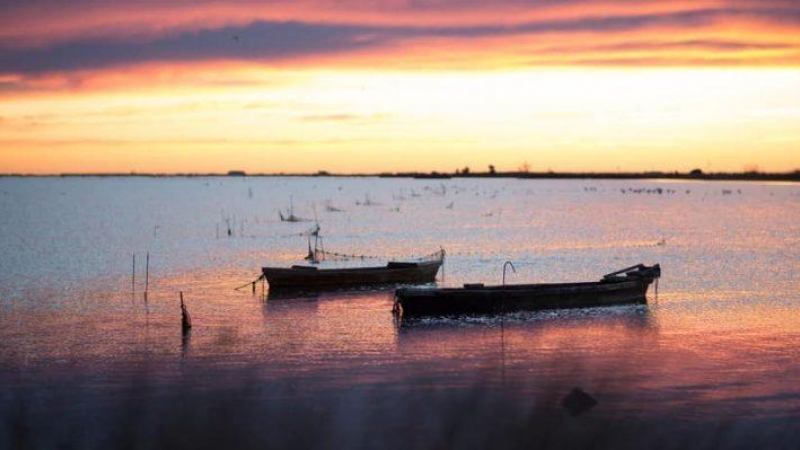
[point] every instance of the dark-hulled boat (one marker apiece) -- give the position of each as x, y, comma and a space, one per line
313, 278
624, 286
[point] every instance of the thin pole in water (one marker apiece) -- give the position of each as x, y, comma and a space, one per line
133, 277
146, 275
656, 290
502, 321
503, 341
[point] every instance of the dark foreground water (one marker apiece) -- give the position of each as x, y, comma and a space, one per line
87, 363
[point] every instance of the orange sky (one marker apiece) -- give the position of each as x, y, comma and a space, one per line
349, 86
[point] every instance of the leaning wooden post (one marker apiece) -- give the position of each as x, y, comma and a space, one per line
186, 320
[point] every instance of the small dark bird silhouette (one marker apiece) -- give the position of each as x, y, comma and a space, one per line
235, 37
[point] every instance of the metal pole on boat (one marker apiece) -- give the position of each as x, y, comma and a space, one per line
506, 264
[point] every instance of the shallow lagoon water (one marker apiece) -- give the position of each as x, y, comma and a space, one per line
85, 362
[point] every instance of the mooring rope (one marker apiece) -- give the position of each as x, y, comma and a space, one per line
252, 283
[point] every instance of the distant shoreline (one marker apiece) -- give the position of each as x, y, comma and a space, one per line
694, 175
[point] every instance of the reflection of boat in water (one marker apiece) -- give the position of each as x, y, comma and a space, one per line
394, 272
295, 296
624, 286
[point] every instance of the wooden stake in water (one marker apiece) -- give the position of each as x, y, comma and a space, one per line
186, 320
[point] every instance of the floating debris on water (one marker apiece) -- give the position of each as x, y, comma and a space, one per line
578, 402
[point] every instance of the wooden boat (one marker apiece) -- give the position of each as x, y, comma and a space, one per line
310, 277
628, 285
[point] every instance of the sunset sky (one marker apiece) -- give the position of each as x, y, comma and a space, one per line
370, 86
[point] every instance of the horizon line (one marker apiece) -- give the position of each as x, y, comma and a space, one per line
696, 174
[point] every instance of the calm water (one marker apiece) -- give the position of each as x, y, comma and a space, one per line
86, 362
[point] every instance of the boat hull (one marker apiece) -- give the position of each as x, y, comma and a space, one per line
478, 299
311, 278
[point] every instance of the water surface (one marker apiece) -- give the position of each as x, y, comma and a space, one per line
86, 362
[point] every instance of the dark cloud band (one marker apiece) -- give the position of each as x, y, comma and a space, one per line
278, 41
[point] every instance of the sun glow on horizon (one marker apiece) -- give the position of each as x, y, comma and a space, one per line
371, 121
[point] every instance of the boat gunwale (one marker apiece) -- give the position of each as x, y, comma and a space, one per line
522, 287
311, 270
